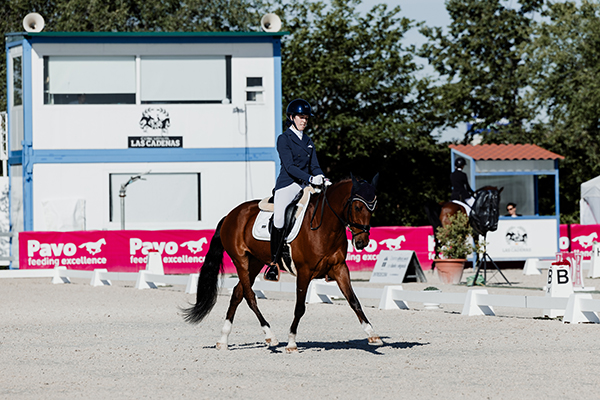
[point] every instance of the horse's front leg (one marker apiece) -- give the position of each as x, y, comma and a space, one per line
301, 288
342, 276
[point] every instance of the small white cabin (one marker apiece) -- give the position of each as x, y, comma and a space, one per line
196, 114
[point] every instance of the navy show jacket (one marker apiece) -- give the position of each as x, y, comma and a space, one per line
461, 190
298, 159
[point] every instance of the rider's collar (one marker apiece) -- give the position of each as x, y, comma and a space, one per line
296, 131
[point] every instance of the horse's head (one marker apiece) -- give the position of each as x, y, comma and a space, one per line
361, 204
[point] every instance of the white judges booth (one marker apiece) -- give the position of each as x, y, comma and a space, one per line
196, 113
528, 175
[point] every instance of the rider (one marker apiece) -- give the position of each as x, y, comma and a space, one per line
461, 190
299, 167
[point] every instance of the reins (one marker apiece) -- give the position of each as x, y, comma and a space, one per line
348, 223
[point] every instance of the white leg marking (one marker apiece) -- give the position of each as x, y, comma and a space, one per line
222, 343
371, 335
291, 346
270, 337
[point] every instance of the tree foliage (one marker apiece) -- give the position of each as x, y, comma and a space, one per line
565, 77
371, 112
479, 60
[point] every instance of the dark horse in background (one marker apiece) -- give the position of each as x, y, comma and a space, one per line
318, 251
438, 214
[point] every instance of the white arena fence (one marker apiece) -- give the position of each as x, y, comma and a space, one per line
577, 308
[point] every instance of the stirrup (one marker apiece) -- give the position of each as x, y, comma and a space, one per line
272, 273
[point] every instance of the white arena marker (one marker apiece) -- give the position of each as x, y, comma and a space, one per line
57, 278
531, 267
97, 280
574, 313
155, 264
389, 302
559, 285
313, 295
594, 271
471, 306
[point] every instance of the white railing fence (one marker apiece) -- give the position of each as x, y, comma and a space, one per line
577, 308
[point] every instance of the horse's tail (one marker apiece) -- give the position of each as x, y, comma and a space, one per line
433, 211
208, 287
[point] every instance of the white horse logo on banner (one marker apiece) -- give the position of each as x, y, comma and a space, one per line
195, 246
93, 247
394, 244
586, 241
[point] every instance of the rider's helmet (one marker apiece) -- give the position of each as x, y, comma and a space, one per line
299, 106
459, 162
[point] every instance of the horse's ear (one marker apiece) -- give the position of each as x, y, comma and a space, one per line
375, 181
354, 181
501, 189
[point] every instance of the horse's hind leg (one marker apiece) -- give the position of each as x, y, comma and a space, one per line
244, 290
342, 277
236, 299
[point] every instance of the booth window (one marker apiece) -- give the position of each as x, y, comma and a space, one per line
157, 198
186, 79
17, 82
89, 80
254, 89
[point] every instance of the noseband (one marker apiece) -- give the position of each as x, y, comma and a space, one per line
349, 223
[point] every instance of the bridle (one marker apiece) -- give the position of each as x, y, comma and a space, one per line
349, 223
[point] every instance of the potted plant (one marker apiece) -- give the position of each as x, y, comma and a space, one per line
454, 245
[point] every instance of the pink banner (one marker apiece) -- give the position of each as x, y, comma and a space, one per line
578, 239
183, 251
418, 239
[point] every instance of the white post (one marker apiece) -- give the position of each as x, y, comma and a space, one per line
559, 285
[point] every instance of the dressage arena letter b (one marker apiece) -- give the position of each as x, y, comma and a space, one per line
562, 276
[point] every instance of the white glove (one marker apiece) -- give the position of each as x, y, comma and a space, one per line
317, 180
327, 182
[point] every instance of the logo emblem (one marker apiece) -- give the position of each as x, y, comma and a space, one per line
93, 247
195, 246
155, 119
516, 236
586, 241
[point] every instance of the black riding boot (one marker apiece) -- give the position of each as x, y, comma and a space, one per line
272, 272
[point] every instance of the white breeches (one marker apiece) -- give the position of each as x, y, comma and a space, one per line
283, 197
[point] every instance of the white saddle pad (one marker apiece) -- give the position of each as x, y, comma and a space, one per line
463, 205
260, 230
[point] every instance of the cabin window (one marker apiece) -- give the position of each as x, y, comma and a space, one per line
156, 198
186, 79
89, 80
254, 90
17, 83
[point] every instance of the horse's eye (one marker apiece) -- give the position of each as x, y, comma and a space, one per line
356, 208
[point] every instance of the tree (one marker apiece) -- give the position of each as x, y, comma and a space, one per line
371, 112
480, 63
130, 15
565, 77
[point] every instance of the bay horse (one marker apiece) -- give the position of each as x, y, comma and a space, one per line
318, 251
439, 214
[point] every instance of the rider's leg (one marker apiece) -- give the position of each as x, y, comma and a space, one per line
282, 198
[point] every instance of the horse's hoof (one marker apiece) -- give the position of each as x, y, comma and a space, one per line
290, 350
375, 341
272, 342
221, 346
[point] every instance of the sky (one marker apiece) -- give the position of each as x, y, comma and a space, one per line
433, 13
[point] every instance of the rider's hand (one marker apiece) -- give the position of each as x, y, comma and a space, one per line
327, 182
317, 180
